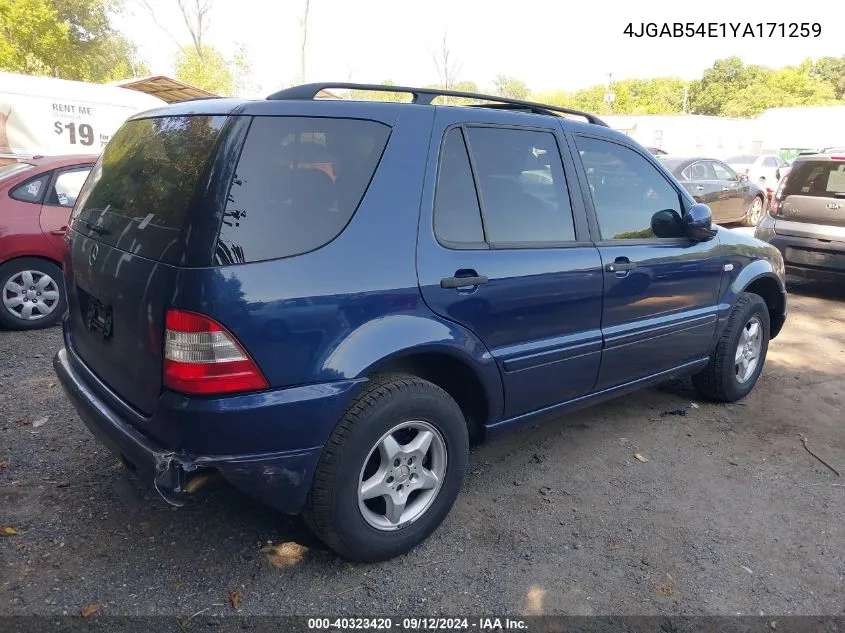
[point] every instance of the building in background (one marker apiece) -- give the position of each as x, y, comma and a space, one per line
781, 131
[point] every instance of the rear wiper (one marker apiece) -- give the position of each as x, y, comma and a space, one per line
94, 228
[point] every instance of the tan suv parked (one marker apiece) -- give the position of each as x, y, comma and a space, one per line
806, 220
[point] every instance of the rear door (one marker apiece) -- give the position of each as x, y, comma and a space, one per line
58, 203
660, 287
128, 234
812, 199
504, 251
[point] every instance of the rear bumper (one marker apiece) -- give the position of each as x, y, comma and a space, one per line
281, 479
811, 258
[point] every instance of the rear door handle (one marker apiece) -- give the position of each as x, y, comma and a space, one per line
463, 279
60, 231
621, 265
699, 188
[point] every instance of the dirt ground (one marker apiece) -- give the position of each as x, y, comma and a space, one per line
730, 514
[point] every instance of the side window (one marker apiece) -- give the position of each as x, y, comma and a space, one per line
701, 171
523, 190
633, 200
723, 172
298, 182
32, 190
457, 217
769, 162
65, 190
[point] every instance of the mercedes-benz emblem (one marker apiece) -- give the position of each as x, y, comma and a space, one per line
92, 255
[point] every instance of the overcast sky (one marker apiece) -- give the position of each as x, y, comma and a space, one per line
549, 45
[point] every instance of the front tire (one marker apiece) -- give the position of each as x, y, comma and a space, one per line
391, 470
736, 364
32, 294
754, 213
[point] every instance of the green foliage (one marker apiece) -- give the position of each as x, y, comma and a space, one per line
377, 95
211, 70
510, 87
730, 88
69, 39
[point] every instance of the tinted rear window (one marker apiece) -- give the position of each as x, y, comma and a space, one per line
297, 185
140, 190
823, 179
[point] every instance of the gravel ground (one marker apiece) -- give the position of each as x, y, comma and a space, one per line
730, 514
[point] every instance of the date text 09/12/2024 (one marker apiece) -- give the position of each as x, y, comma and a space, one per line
724, 29
492, 624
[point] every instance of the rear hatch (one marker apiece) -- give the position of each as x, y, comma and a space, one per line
130, 229
811, 199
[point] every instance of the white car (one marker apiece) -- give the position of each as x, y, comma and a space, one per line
762, 169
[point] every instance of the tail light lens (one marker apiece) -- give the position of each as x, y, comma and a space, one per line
201, 357
774, 206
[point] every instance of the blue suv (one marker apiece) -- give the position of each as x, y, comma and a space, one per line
326, 301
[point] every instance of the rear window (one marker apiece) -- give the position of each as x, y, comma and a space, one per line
297, 184
822, 179
140, 190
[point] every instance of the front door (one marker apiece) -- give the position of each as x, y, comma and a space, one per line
660, 287
505, 252
734, 192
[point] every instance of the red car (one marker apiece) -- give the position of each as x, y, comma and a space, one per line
36, 198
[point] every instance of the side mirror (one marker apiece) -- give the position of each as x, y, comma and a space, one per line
698, 222
667, 223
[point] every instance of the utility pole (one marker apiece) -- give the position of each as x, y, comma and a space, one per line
686, 94
609, 97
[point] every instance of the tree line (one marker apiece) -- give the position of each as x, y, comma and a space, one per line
74, 39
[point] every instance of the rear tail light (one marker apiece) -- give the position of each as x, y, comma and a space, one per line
837, 158
774, 206
202, 357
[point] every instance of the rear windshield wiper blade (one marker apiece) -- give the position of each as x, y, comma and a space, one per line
99, 230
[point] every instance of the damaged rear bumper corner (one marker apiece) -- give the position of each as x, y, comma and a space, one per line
280, 479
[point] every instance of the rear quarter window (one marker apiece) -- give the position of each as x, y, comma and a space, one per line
297, 184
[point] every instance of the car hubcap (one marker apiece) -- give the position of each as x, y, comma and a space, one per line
402, 475
756, 211
30, 295
748, 350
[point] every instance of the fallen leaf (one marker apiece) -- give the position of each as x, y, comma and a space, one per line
51, 385
20, 546
7, 530
90, 609
640, 458
666, 591
23, 422
39, 422
235, 598
4, 465
693, 405
614, 547
285, 554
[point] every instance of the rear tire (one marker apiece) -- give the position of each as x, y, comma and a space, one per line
32, 294
379, 519
730, 375
754, 213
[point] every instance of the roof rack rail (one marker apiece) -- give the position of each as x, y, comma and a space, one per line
425, 96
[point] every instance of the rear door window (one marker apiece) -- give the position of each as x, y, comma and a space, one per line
297, 184
66, 187
822, 179
524, 195
140, 191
